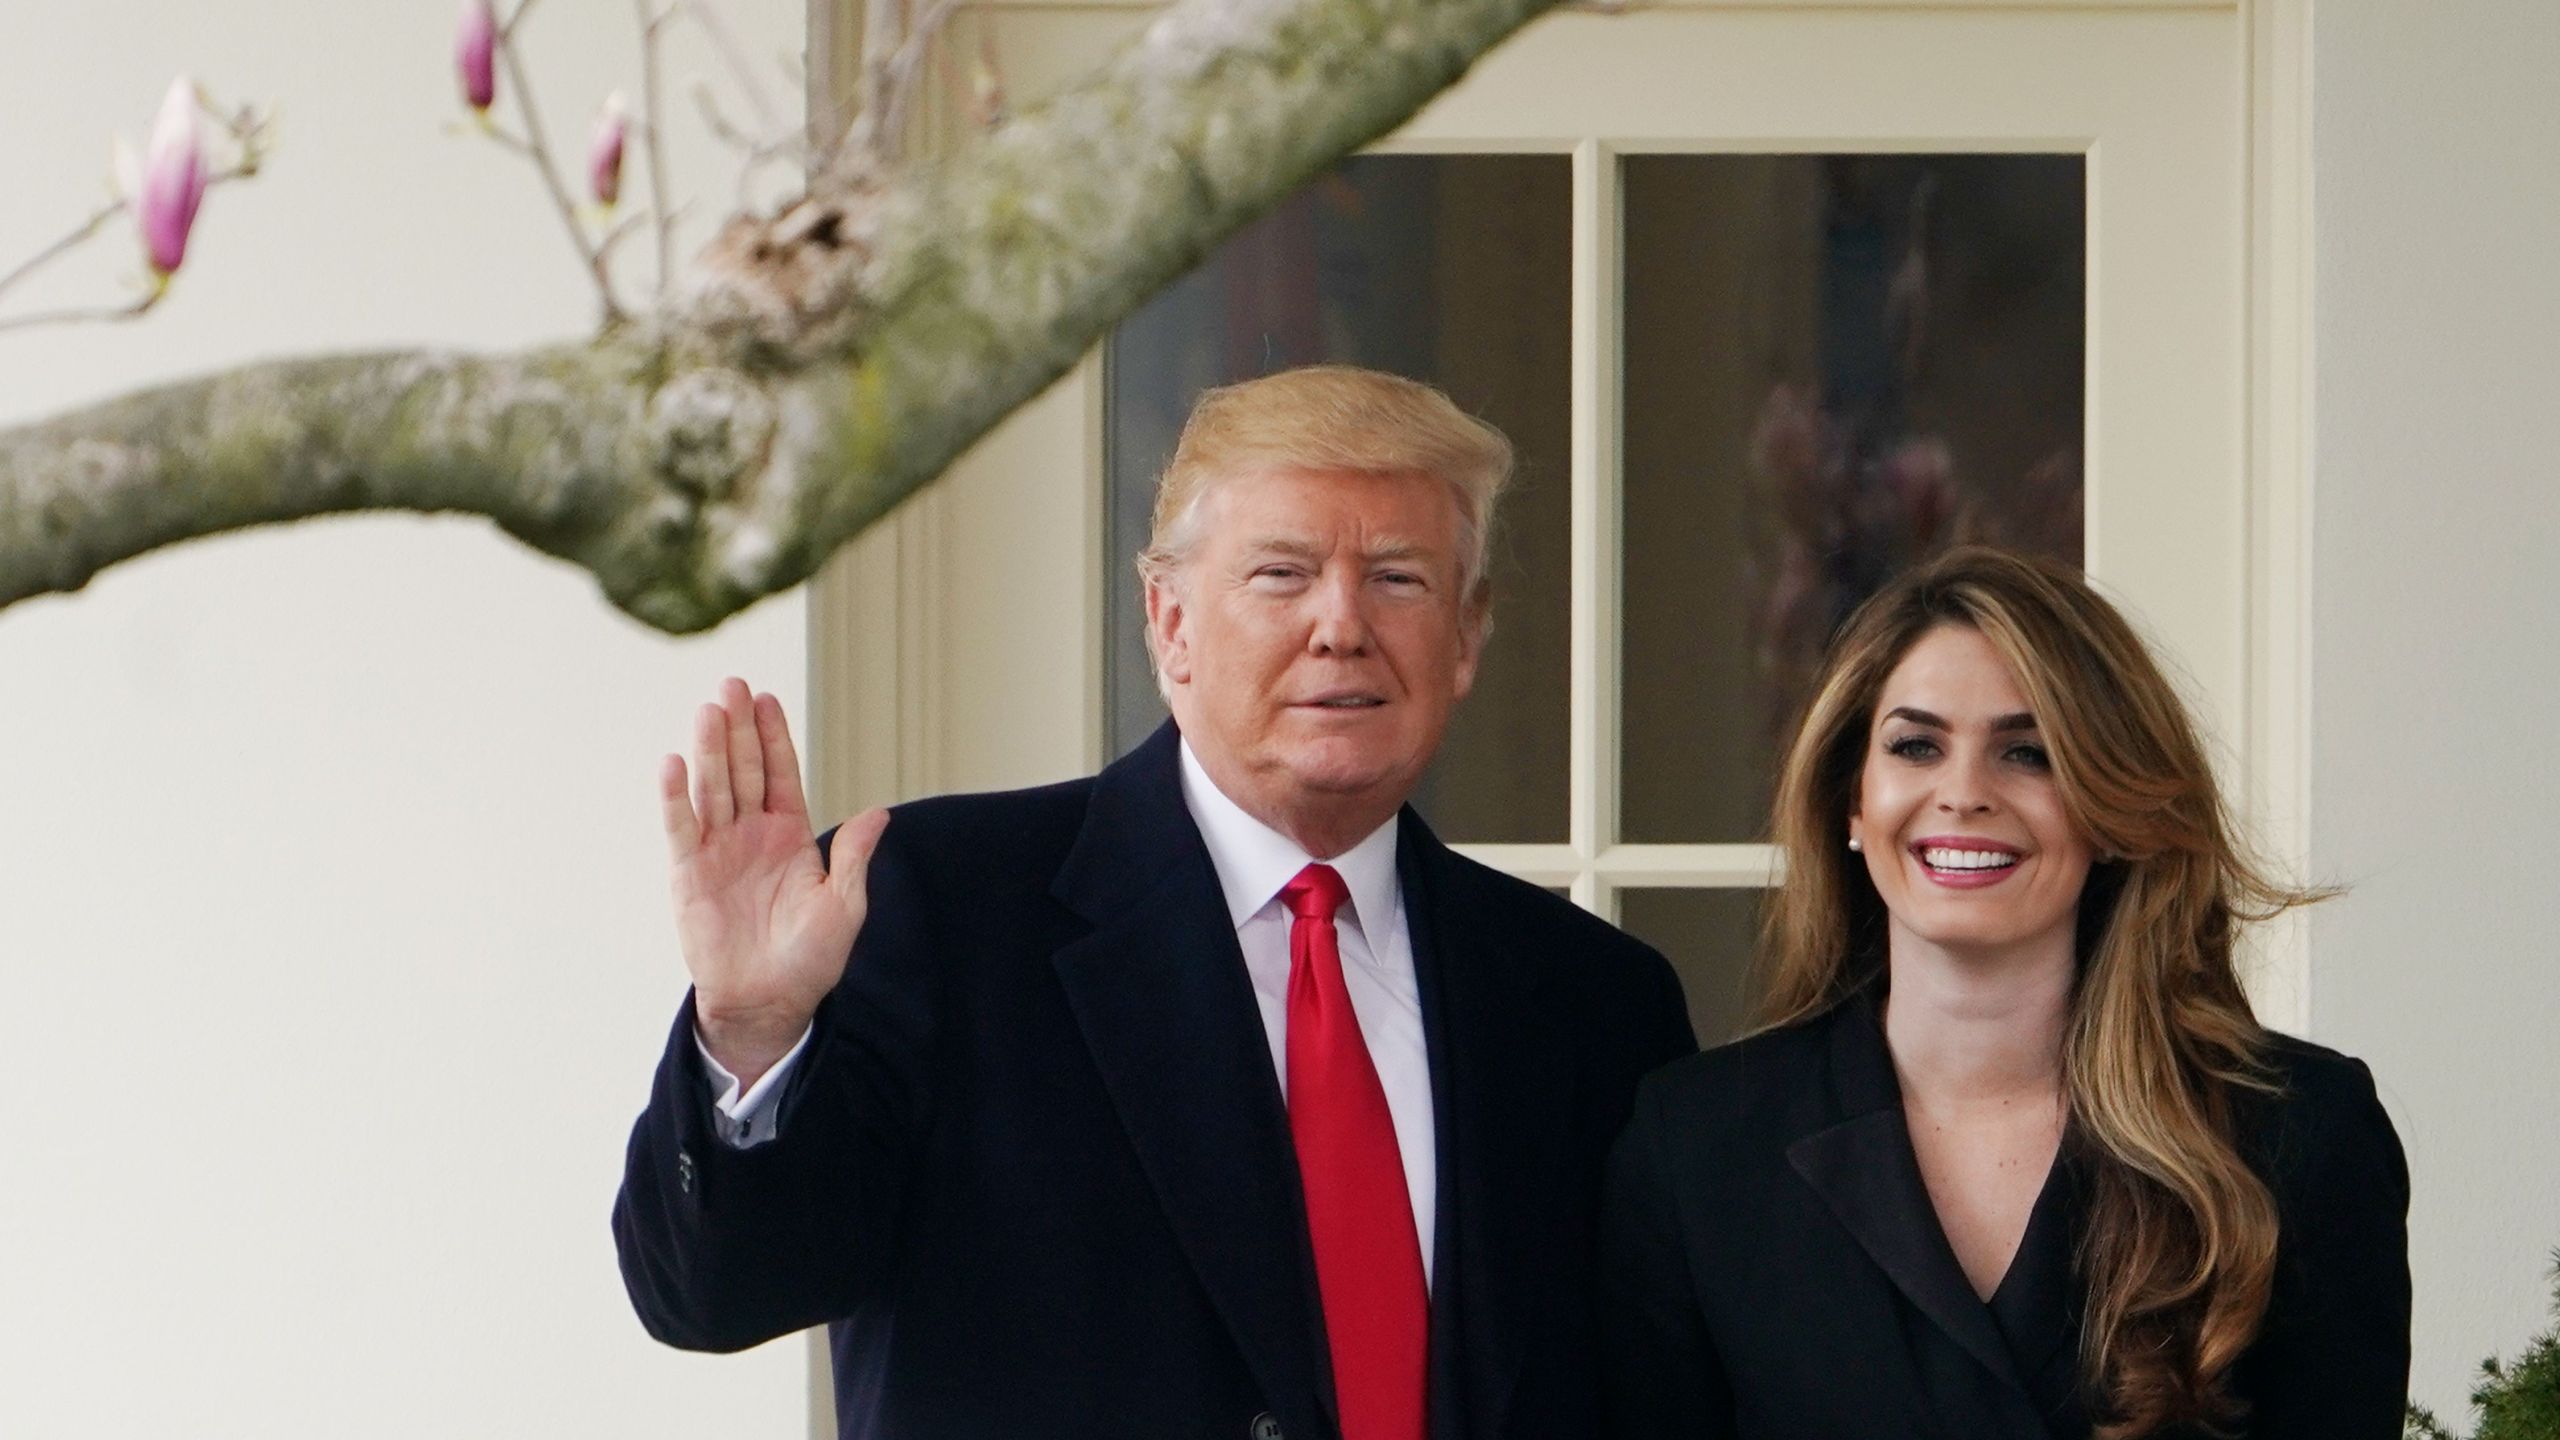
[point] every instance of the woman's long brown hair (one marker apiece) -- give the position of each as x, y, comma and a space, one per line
2180, 1243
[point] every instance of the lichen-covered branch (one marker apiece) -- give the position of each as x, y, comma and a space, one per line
822, 365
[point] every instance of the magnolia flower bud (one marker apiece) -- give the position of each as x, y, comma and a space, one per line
172, 181
475, 53
604, 152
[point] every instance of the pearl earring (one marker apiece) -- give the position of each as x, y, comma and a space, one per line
1854, 845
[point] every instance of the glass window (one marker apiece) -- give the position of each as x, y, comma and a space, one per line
1835, 365
1710, 937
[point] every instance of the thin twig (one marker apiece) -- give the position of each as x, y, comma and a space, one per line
507, 141
989, 101
721, 126
538, 150
58, 248
902, 74
725, 42
86, 230
621, 229
73, 317
247, 130
507, 31
831, 130
787, 146
652, 20
882, 34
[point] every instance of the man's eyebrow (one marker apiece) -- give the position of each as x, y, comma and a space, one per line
1917, 716
1301, 549
1398, 550
1287, 545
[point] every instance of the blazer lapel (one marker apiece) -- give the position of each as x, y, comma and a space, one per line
1160, 992
1499, 1100
2037, 1304
1864, 1169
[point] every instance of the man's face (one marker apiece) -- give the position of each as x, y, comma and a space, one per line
1315, 641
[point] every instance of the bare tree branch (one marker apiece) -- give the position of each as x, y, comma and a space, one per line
247, 132
652, 140
898, 96
725, 43
536, 148
65, 245
755, 153
821, 365
140, 306
883, 32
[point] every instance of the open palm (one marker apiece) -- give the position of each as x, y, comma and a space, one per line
764, 927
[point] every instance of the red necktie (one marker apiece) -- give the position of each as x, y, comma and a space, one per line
1359, 1213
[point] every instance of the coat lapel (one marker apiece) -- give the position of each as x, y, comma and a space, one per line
1863, 1167
1499, 1102
2037, 1305
1160, 992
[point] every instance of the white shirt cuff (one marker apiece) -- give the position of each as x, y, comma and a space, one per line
746, 1120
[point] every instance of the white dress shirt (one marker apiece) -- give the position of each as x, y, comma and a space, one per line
1254, 862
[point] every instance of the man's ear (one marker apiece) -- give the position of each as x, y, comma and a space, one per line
1167, 634
1475, 625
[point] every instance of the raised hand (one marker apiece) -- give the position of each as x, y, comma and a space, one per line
765, 928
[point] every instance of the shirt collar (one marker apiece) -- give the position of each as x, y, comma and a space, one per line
1254, 861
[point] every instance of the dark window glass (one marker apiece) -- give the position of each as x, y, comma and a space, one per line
1710, 938
1835, 365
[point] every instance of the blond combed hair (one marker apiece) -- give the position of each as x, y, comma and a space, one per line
2179, 1252
1332, 417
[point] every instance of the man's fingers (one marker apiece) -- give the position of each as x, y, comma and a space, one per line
684, 832
746, 752
781, 763
849, 856
711, 797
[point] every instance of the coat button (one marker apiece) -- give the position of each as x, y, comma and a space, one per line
1266, 1426
684, 1171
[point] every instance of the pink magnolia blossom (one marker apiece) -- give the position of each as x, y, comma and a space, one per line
604, 151
171, 185
475, 53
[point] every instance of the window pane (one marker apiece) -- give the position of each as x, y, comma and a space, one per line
1455, 269
1835, 366
1709, 937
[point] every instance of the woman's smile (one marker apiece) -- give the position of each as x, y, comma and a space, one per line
1964, 862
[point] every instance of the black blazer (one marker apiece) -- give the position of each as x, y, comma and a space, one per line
1035, 1172
1773, 1266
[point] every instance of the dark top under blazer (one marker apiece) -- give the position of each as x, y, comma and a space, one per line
1034, 1167
1773, 1266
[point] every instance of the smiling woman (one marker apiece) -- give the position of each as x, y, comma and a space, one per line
2010, 1149
1964, 829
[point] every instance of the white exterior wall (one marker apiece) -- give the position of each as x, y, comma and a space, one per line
2436, 632
334, 949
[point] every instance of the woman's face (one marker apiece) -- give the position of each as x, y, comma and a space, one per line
1961, 824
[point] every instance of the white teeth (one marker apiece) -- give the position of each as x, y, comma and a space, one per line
1943, 858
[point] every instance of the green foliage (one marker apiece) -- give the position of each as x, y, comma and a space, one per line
2516, 1400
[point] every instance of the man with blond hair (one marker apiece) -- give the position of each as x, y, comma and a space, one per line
1209, 1097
